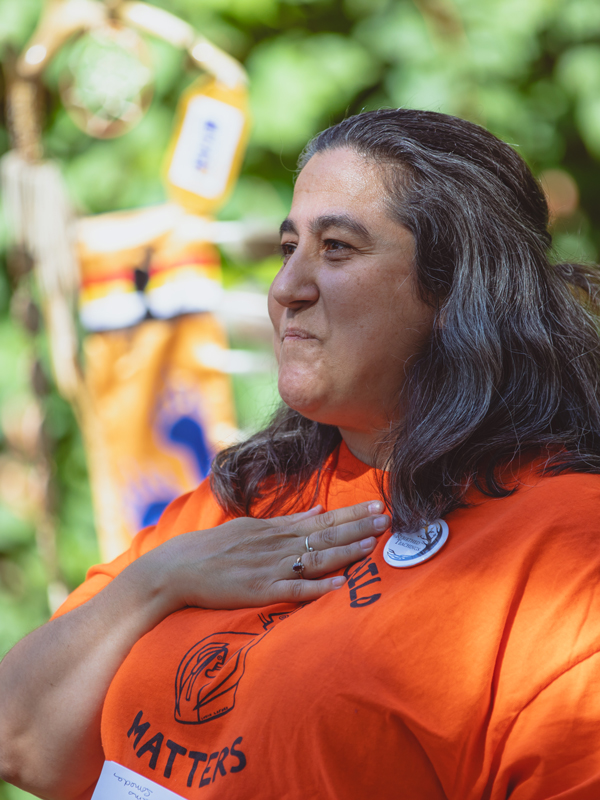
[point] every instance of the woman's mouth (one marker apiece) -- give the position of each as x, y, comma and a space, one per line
292, 334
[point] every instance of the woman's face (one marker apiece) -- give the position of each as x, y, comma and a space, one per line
344, 307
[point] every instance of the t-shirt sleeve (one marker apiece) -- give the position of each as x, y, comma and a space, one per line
552, 749
197, 510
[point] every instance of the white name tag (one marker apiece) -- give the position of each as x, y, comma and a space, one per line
206, 146
119, 783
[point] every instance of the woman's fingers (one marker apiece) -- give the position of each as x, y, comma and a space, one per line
349, 532
339, 516
248, 562
299, 516
322, 562
303, 591
344, 525
315, 520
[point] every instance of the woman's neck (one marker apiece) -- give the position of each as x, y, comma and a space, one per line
367, 446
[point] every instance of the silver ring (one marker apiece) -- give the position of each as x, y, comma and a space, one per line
298, 567
309, 549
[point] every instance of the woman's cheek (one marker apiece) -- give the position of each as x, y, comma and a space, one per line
276, 346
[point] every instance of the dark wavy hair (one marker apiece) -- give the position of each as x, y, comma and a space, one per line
512, 365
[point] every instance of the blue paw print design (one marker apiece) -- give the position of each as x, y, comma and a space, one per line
188, 433
179, 428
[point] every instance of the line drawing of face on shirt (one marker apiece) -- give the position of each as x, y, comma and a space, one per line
208, 676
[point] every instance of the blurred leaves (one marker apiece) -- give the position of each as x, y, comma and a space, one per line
299, 82
17, 21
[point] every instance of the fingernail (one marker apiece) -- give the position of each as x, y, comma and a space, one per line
311, 510
338, 582
375, 507
380, 523
367, 544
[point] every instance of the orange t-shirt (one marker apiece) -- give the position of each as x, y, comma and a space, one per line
475, 674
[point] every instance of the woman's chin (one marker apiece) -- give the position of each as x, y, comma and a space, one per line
305, 402
317, 409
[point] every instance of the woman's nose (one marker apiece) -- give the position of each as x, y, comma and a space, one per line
295, 284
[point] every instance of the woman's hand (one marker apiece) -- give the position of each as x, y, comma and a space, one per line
248, 562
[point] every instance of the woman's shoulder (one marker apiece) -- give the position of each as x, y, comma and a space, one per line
556, 495
539, 484
554, 519
196, 510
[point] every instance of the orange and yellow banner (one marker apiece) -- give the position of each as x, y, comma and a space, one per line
159, 410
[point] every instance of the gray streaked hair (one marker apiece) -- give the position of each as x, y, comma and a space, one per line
511, 367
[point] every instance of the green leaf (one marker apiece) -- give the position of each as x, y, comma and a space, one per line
296, 82
17, 21
14, 532
578, 70
398, 35
588, 120
577, 20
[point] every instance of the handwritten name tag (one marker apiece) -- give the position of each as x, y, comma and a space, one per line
119, 783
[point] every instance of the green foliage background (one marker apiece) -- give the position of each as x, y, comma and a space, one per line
529, 70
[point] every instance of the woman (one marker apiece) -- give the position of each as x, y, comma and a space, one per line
431, 357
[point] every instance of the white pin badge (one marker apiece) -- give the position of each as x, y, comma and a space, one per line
408, 549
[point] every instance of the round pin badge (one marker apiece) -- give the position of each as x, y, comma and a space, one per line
408, 549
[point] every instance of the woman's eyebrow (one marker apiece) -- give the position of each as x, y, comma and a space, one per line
322, 223
342, 221
287, 226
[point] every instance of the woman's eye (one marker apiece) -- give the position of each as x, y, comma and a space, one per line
330, 247
287, 249
335, 246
